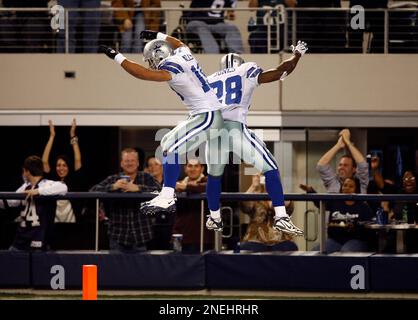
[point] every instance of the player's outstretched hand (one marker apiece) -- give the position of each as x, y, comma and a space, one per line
301, 47
148, 35
111, 53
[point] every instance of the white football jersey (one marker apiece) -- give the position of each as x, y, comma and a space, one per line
189, 82
234, 88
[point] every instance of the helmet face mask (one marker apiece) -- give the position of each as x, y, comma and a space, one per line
155, 51
231, 60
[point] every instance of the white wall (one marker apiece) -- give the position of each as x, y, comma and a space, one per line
36, 81
372, 83
353, 83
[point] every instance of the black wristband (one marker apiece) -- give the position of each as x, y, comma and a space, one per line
148, 35
111, 53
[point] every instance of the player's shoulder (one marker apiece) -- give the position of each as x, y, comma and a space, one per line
172, 64
181, 50
250, 69
248, 66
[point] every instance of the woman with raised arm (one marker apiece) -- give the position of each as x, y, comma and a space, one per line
66, 210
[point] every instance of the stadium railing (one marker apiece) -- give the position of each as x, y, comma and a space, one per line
225, 196
327, 30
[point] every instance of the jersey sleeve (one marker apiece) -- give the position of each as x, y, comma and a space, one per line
172, 66
251, 72
14, 202
49, 187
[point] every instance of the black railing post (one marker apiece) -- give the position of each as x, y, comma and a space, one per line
322, 228
202, 223
96, 242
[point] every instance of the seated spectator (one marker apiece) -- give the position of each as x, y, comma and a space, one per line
405, 212
258, 37
155, 168
89, 28
205, 24
129, 230
67, 211
37, 215
131, 23
354, 165
188, 216
345, 234
260, 234
379, 185
163, 222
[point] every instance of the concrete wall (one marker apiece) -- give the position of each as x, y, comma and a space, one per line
321, 82
353, 83
37, 82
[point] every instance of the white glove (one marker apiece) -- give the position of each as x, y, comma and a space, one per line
284, 75
301, 47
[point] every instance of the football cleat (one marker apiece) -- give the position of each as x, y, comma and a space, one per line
212, 224
159, 204
284, 224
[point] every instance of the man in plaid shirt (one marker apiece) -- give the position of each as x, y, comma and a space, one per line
129, 230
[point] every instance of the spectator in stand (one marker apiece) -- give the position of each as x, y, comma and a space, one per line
129, 230
260, 235
163, 222
205, 24
354, 165
37, 215
345, 232
89, 21
379, 185
188, 216
155, 168
407, 212
131, 23
72, 175
70, 221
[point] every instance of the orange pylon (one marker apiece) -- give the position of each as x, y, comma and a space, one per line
89, 282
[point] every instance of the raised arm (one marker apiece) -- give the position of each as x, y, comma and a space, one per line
48, 147
286, 67
137, 70
330, 154
376, 174
76, 149
143, 73
134, 68
151, 35
357, 155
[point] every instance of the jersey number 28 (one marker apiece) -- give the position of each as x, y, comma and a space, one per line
231, 89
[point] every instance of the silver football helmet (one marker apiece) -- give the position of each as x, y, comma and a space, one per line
155, 51
231, 60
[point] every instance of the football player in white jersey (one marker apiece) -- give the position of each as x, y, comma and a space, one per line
170, 60
234, 85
